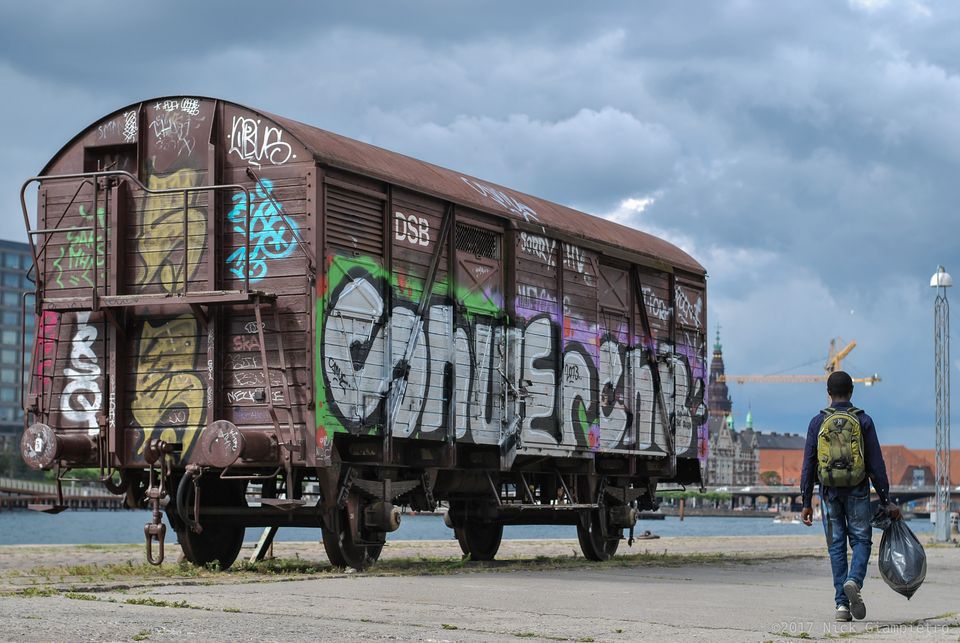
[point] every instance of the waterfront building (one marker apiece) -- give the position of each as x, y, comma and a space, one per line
905, 467
733, 456
15, 261
781, 457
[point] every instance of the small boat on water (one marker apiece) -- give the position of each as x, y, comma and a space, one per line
787, 519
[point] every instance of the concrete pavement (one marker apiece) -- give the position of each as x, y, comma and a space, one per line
777, 590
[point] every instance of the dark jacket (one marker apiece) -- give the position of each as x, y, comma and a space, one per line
873, 459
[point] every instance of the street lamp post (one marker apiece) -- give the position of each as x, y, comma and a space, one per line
941, 280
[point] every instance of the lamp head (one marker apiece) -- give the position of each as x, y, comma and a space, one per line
941, 279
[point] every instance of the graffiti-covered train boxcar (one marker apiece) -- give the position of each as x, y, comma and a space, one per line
245, 321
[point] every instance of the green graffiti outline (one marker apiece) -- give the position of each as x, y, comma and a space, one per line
585, 425
405, 289
77, 251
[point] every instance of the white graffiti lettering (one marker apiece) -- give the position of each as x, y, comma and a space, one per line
503, 199
126, 127
81, 397
613, 413
576, 259
540, 247
253, 395
130, 127
656, 307
240, 361
172, 131
189, 106
687, 312
258, 144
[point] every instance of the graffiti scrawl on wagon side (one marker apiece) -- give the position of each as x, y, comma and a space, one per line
583, 401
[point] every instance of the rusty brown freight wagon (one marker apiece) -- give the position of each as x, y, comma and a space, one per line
261, 324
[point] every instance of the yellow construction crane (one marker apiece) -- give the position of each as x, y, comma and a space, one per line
834, 362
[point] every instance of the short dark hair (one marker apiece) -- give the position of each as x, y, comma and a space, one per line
840, 384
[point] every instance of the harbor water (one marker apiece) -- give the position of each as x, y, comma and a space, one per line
119, 527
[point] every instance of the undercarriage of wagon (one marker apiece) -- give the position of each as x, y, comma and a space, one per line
356, 504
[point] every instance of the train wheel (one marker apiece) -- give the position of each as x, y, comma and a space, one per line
216, 543
479, 541
342, 548
597, 540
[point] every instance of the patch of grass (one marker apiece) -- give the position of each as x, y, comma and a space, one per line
232, 610
154, 602
36, 592
142, 635
525, 635
447, 626
619, 630
78, 596
585, 639
797, 635
100, 547
278, 566
414, 565
121, 570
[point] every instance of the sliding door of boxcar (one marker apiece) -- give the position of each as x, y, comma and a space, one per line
615, 300
423, 412
654, 334
354, 309
479, 333
690, 368
539, 317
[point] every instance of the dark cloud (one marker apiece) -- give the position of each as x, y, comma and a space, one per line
805, 152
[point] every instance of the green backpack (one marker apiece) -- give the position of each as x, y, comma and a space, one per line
840, 448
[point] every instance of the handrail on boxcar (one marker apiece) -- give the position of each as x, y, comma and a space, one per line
94, 227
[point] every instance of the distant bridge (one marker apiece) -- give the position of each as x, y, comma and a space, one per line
898, 493
19, 494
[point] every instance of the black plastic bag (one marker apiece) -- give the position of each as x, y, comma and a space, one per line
903, 563
881, 518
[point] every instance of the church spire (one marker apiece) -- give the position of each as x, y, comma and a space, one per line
718, 395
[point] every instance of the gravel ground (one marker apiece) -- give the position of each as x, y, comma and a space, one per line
671, 589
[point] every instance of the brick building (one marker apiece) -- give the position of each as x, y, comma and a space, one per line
905, 467
778, 455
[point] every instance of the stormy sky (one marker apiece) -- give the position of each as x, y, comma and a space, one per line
804, 152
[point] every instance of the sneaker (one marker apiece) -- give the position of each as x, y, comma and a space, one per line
843, 614
852, 591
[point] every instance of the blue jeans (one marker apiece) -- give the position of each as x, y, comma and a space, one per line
843, 518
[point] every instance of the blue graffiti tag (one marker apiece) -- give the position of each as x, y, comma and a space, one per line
271, 235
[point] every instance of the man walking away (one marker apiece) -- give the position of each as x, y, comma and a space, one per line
842, 453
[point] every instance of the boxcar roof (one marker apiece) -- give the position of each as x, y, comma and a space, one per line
349, 154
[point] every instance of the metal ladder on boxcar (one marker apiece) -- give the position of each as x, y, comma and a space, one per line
288, 443
113, 302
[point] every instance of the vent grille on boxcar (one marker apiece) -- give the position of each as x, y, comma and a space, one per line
354, 221
478, 242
